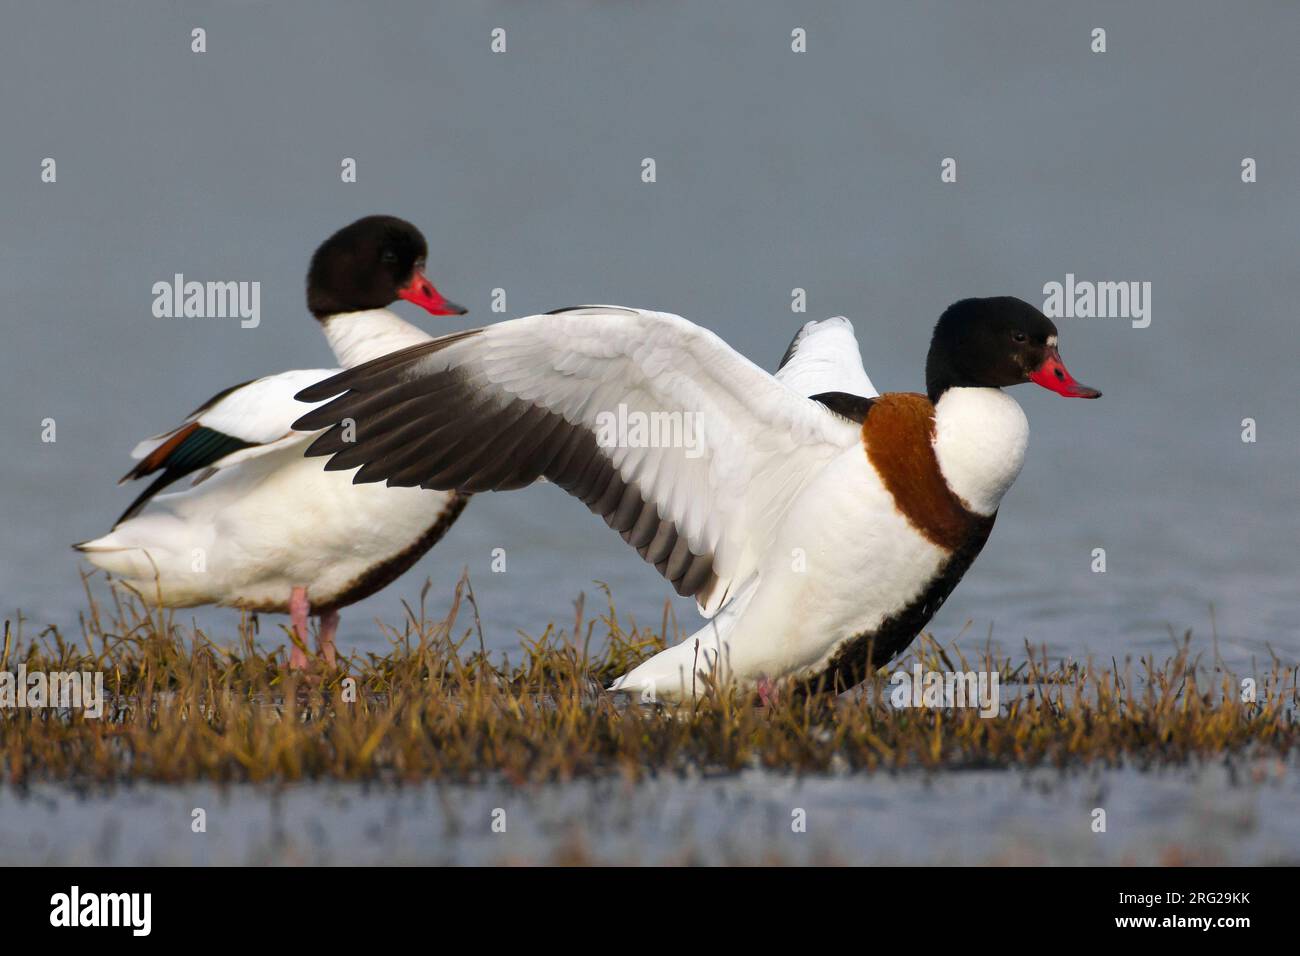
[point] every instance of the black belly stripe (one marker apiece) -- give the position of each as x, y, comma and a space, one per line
862, 653
381, 575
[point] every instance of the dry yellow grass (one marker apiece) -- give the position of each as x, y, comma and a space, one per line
438, 707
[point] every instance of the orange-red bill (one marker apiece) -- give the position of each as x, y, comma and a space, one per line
421, 291
1053, 375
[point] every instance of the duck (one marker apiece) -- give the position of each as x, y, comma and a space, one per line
817, 523
260, 527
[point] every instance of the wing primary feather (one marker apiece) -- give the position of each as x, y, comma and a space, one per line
373, 374
480, 445
647, 525
679, 562
504, 405
521, 461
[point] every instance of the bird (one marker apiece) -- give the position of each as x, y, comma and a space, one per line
260, 527
817, 523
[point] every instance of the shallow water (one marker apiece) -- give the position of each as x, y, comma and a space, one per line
1211, 815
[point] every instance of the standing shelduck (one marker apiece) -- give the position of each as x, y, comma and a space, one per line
261, 527
818, 534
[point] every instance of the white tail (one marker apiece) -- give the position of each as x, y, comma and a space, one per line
135, 552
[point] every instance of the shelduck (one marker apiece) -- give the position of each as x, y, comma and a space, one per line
261, 527
818, 524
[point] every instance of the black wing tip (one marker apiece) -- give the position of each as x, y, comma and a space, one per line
322, 416
794, 346
569, 308
142, 499
320, 391
317, 448
846, 405
600, 308
333, 464
304, 423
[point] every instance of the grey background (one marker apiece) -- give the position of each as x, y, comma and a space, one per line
775, 170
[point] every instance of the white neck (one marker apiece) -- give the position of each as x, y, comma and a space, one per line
358, 337
980, 436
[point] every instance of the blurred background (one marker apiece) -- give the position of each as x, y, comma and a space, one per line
775, 170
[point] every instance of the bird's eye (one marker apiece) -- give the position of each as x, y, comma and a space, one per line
388, 255
1018, 336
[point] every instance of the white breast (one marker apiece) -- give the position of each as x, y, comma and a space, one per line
980, 438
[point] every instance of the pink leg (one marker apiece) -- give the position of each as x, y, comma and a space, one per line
299, 608
767, 691
329, 625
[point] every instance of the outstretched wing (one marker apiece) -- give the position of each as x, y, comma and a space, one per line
242, 422
686, 448
824, 357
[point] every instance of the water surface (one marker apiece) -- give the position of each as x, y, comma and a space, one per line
1243, 814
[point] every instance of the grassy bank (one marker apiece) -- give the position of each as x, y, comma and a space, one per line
437, 706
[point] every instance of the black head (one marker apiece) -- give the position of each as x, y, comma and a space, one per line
995, 343
370, 264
